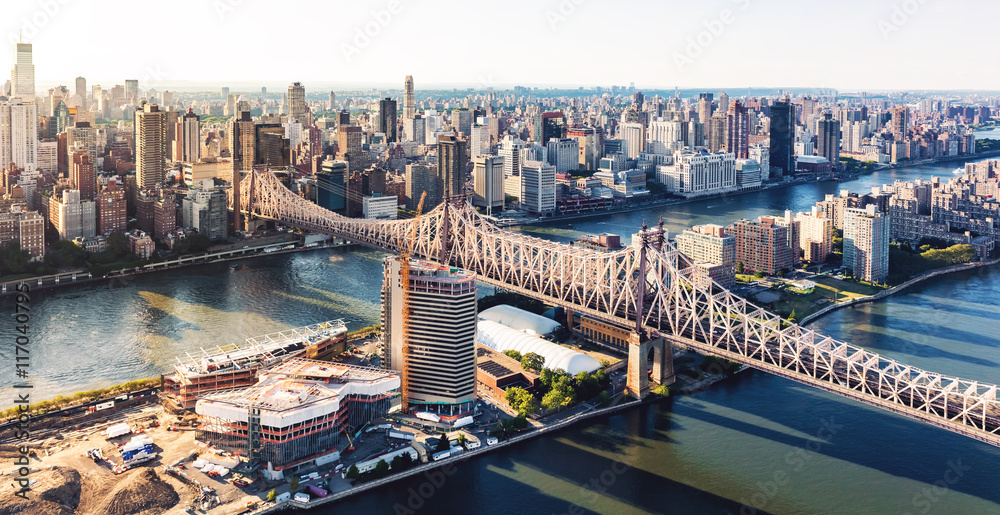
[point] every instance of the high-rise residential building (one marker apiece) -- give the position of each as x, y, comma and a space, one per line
480, 141
716, 139
487, 176
738, 130
81, 173
782, 146
815, 236
297, 102
22, 75
18, 135
344, 117
332, 100
27, 227
224, 91
409, 107
829, 139
710, 245
762, 245
419, 180
723, 102
80, 134
510, 151
385, 122
150, 146
73, 217
242, 141
415, 129
189, 136
564, 154
451, 165
704, 108
900, 122
633, 134
461, 121
438, 363
48, 156
538, 187
205, 210
111, 209
866, 243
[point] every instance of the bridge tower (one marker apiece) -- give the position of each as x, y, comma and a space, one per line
641, 343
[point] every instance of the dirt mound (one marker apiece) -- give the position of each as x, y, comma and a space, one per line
142, 492
57, 492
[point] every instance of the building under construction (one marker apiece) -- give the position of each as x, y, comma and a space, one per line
300, 412
429, 335
238, 365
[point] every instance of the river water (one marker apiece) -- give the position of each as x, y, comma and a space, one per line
755, 443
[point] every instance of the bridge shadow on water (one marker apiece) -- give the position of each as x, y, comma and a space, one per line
935, 328
865, 436
881, 342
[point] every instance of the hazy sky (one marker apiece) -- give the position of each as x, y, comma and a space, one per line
850, 45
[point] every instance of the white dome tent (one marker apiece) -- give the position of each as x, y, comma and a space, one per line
519, 319
502, 338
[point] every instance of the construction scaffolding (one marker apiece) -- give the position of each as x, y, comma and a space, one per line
237, 365
299, 410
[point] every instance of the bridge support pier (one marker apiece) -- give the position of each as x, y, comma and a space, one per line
637, 382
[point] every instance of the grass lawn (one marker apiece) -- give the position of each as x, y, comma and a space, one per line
826, 288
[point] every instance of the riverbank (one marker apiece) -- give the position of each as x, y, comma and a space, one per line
896, 289
448, 465
84, 277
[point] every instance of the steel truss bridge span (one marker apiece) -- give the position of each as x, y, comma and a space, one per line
651, 287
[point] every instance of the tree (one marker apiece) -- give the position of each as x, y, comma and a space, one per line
117, 245
521, 401
443, 444
532, 361
604, 398
461, 440
401, 462
662, 390
272, 495
14, 259
352, 472
792, 317
520, 422
759, 274
381, 469
512, 354
739, 267
293, 483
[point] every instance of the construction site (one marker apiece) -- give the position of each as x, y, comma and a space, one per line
237, 365
296, 416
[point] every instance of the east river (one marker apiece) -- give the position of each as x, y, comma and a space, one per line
753, 444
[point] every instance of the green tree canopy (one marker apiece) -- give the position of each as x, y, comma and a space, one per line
521, 401
532, 361
513, 354
352, 472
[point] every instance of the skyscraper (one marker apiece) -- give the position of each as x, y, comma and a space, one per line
386, 120
866, 243
632, 133
22, 75
782, 138
547, 126
420, 180
81, 174
81, 89
717, 132
18, 135
132, 91
829, 139
409, 108
242, 145
451, 165
150, 146
900, 122
439, 363
738, 130
297, 102
190, 137
487, 176
331, 101
538, 187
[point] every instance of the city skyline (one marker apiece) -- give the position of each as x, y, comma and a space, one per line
371, 45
